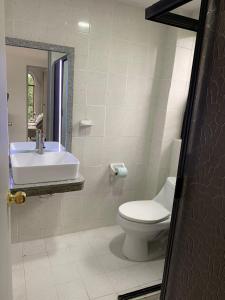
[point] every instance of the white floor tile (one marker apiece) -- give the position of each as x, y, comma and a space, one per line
100, 245
111, 262
108, 297
34, 247
60, 257
63, 273
42, 294
18, 278
79, 266
39, 279
104, 232
81, 251
75, 239
35, 262
88, 267
122, 280
147, 273
98, 285
63, 241
72, 291
112, 231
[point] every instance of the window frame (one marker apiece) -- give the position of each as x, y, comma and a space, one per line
33, 86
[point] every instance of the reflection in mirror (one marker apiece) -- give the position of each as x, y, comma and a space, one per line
37, 94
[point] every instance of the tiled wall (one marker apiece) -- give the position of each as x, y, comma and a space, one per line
174, 78
177, 98
114, 69
118, 84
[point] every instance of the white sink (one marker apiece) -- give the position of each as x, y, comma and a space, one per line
20, 147
32, 167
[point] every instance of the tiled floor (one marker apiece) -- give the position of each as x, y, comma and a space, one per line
150, 297
80, 266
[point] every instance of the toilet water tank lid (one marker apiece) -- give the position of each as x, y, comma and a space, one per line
147, 211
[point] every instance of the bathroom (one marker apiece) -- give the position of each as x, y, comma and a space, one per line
127, 83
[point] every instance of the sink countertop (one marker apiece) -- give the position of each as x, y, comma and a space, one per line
46, 188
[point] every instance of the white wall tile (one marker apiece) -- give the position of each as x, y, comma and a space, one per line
136, 121
118, 56
79, 114
96, 88
98, 54
78, 148
16, 254
93, 150
185, 39
114, 120
116, 85
115, 62
34, 247
97, 114
101, 13
139, 90
71, 206
80, 92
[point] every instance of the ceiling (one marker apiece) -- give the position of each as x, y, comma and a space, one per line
189, 7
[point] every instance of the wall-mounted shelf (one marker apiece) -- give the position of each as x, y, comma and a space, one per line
46, 188
86, 123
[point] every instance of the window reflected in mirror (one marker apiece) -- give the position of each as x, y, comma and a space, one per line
30, 98
37, 94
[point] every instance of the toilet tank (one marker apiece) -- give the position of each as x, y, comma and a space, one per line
166, 195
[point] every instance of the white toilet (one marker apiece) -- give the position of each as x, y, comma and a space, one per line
143, 221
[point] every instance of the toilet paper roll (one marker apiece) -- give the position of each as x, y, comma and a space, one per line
121, 171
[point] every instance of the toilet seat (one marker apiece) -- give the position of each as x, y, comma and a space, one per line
147, 211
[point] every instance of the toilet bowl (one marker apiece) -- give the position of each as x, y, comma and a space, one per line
143, 221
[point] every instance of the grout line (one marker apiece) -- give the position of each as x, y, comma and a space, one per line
103, 271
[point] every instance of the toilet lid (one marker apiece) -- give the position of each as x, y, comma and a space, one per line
147, 211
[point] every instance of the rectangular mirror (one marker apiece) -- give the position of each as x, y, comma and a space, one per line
40, 91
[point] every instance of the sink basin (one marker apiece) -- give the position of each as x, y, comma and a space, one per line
21, 147
32, 167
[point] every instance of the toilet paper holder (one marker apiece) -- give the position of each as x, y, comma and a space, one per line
115, 166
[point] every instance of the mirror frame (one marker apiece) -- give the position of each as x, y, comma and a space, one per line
70, 52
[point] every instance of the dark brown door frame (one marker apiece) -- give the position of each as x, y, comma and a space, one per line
185, 140
160, 12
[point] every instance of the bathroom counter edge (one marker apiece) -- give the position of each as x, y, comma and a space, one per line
46, 188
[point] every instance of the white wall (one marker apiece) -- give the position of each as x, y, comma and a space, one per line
5, 259
172, 92
118, 80
17, 61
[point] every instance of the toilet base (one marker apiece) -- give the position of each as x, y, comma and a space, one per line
136, 249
